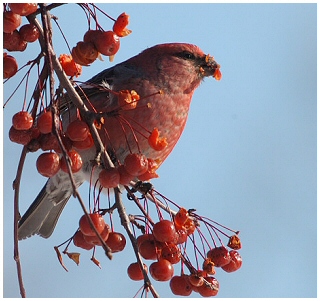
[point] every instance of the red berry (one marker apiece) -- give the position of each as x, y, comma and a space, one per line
182, 236
67, 143
234, 264
33, 145
107, 43
29, 33
136, 164
21, 137
35, 133
189, 226
69, 66
156, 142
84, 53
171, 252
181, 217
76, 162
144, 237
48, 164
149, 248
134, 271
11, 21
77, 130
48, 142
196, 279
180, 285
116, 242
79, 241
161, 270
14, 42
10, 66
125, 177
164, 231
219, 255
23, 9
94, 239
109, 178
127, 99
91, 35
97, 220
44, 122
85, 144
120, 25
151, 171
22, 120
208, 266
209, 288
234, 242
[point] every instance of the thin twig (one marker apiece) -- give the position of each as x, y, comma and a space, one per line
16, 185
152, 198
16, 217
136, 201
125, 222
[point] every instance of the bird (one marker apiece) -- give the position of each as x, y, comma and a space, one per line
165, 77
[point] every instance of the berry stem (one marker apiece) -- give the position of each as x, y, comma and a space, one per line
214, 222
134, 198
101, 11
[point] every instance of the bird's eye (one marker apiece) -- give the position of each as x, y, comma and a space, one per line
186, 55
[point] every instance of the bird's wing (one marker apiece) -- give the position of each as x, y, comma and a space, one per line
98, 86
44, 212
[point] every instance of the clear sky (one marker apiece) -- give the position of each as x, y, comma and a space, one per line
247, 158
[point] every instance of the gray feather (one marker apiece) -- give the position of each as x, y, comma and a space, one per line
43, 214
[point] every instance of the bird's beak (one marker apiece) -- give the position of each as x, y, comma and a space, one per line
209, 67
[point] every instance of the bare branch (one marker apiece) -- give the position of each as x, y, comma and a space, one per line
125, 222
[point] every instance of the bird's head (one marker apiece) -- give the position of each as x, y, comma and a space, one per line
177, 65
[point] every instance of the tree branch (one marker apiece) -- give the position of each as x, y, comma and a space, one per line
54, 65
126, 224
16, 217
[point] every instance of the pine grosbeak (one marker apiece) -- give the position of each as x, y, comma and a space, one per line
176, 70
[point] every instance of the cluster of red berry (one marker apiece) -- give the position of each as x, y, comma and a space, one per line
95, 42
166, 245
164, 242
78, 137
86, 238
98, 41
17, 40
39, 135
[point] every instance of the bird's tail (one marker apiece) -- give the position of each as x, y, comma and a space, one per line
43, 214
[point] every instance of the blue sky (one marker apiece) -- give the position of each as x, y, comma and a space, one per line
246, 159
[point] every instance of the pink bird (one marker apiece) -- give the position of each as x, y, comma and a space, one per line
165, 77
